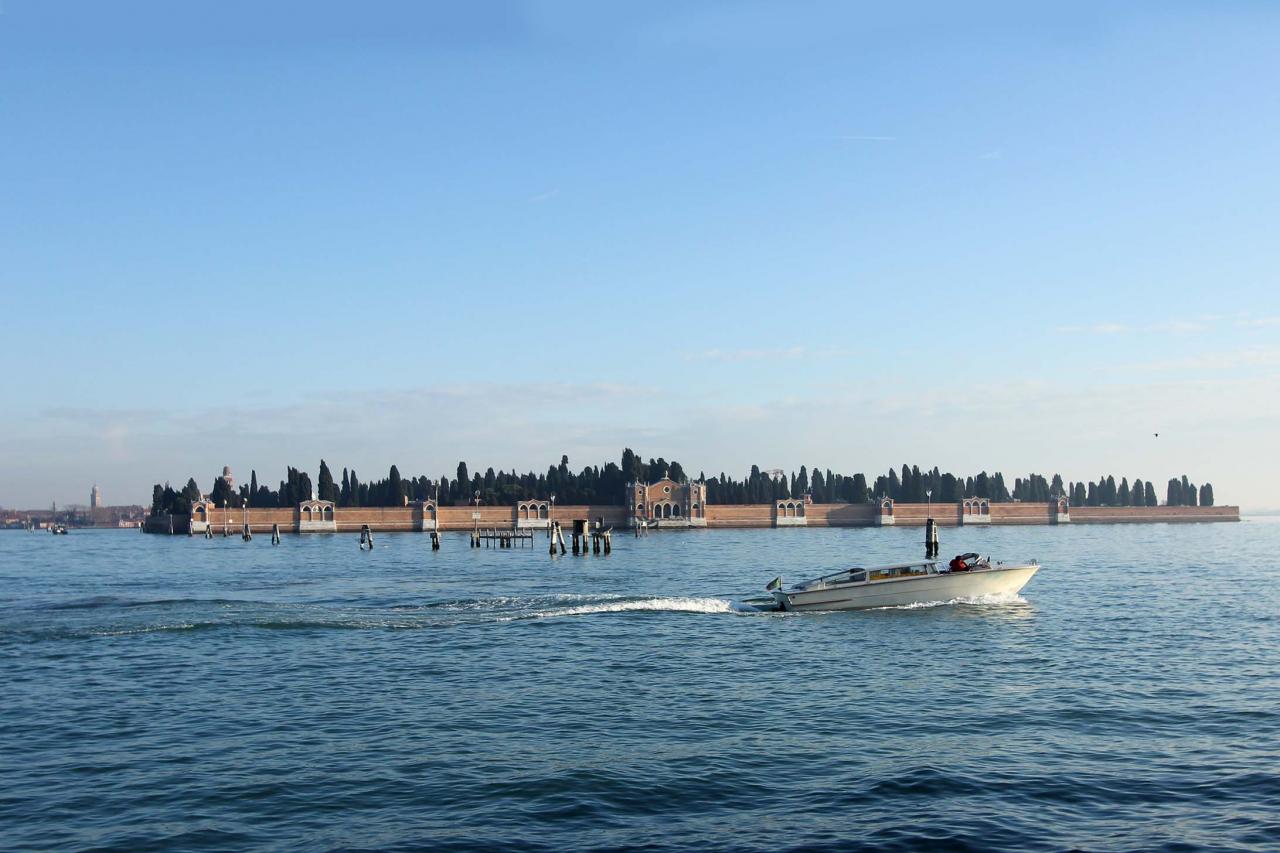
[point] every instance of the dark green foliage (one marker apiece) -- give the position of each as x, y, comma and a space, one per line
221, 494
328, 490
608, 485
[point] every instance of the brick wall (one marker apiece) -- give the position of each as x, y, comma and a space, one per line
1032, 513
739, 515
1152, 514
840, 515
350, 519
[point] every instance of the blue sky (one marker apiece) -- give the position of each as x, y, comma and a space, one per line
1010, 236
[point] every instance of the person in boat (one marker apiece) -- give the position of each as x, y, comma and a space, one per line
958, 564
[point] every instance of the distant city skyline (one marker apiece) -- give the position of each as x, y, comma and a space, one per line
1013, 237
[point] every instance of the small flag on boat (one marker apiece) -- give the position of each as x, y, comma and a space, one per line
776, 583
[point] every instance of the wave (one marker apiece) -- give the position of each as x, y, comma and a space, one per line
674, 604
989, 599
138, 617
98, 602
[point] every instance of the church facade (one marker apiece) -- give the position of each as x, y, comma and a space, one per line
667, 503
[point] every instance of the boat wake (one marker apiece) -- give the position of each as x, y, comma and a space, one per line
674, 604
990, 599
115, 617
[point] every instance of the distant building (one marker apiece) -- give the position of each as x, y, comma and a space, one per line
95, 497
227, 478
775, 474
667, 503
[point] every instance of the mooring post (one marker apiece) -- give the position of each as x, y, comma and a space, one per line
608, 541
247, 535
208, 533
435, 540
275, 534
930, 539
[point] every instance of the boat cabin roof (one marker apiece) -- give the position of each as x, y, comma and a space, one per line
861, 574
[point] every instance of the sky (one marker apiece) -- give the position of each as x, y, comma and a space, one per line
988, 236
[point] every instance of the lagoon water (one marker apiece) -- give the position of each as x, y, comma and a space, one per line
172, 692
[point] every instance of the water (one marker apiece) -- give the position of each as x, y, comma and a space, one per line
174, 692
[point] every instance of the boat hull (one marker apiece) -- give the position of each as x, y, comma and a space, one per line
910, 590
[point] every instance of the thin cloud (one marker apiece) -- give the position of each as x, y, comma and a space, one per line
544, 196
737, 355
1217, 361
732, 356
864, 138
1096, 329
1177, 327
1258, 322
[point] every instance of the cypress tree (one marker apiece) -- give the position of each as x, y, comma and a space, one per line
860, 489
395, 488
328, 490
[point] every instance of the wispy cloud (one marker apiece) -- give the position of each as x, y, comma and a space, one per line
1257, 322
1177, 327
993, 154
865, 138
544, 196
767, 354
1217, 361
1096, 329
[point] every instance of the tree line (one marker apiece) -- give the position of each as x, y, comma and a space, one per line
607, 485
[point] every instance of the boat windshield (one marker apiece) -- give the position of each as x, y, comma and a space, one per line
892, 572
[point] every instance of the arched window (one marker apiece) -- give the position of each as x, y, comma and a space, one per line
328, 513
675, 510
542, 511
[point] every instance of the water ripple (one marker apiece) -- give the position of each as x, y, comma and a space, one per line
164, 693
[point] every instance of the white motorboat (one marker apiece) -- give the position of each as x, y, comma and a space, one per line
966, 577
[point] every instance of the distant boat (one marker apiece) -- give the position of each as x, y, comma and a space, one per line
903, 583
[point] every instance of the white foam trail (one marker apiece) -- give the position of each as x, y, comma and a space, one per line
677, 604
989, 598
